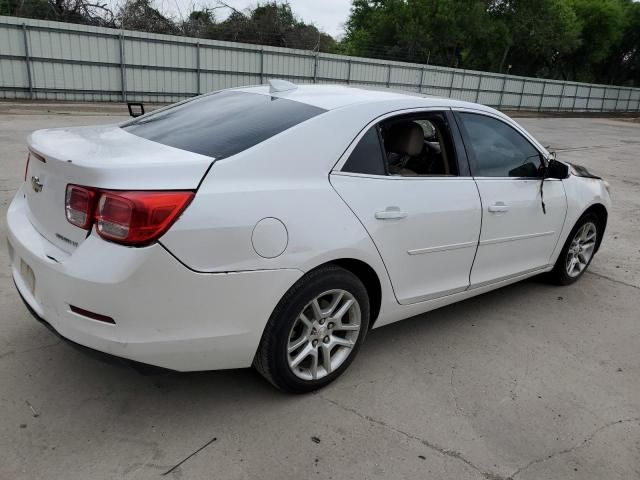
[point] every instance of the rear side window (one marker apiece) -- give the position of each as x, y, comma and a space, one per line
221, 124
367, 156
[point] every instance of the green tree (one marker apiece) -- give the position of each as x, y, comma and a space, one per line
199, 23
141, 15
536, 34
602, 24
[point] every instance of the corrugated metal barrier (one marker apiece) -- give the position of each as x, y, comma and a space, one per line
60, 61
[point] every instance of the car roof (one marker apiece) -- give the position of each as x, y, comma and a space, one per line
330, 97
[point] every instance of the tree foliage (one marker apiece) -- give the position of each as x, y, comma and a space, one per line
585, 40
269, 23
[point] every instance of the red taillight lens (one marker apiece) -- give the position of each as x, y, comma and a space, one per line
79, 205
138, 218
128, 217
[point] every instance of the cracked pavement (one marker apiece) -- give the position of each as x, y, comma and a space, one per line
528, 382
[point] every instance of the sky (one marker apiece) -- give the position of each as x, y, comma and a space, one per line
328, 15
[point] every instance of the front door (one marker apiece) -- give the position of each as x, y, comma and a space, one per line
518, 235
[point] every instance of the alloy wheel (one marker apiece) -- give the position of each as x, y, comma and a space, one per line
323, 335
581, 249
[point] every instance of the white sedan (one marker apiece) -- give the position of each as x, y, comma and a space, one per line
274, 226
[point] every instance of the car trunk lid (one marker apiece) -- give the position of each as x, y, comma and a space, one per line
104, 157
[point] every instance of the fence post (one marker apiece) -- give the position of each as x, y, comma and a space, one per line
389, 77
198, 68
421, 80
261, 65
524, 83
544, 87
27, 59
504, 82
615, 109
478, 89
315, 68
123, 73
589, 98
453, 77
564, 84
604, 99
349, 72
575, 97
464, 75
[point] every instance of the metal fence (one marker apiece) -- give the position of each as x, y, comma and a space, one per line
59, 61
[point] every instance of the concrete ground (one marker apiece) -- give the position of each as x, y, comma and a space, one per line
529, 382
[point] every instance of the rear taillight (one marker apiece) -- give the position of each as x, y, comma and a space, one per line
129, 217
79, 205
138, 218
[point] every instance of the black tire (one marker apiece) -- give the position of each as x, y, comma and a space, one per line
559, 274
271, 359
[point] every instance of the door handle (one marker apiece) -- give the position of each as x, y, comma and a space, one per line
391, 213
498, 207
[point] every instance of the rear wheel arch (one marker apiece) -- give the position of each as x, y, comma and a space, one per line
369, 278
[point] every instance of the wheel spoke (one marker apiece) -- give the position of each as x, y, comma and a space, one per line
315, 306
314, 365
572, 264
342, 342
326, 358
305, 321
343, 309
334, 304
583, 232
345, 327
298, 343
304, 353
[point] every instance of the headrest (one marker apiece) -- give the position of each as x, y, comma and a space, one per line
405, 138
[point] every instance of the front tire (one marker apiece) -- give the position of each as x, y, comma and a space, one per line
578, 250
315, 331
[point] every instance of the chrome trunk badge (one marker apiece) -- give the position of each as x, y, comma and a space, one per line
36, 184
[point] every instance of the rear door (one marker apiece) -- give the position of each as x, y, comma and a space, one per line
518, 234
425, 225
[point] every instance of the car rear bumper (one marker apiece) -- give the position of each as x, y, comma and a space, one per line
165, 314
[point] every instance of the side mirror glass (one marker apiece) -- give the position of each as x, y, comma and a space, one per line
556, 169
136, 109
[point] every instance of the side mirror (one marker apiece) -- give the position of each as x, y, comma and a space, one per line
136, 109
556, 169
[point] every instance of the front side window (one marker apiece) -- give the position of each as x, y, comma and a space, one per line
223, 123
498, 150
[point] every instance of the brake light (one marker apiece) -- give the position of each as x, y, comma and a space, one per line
138, 218
135, 218
79, 205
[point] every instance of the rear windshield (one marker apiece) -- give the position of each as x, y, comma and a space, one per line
223, 123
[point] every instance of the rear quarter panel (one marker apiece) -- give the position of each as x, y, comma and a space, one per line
285, 177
